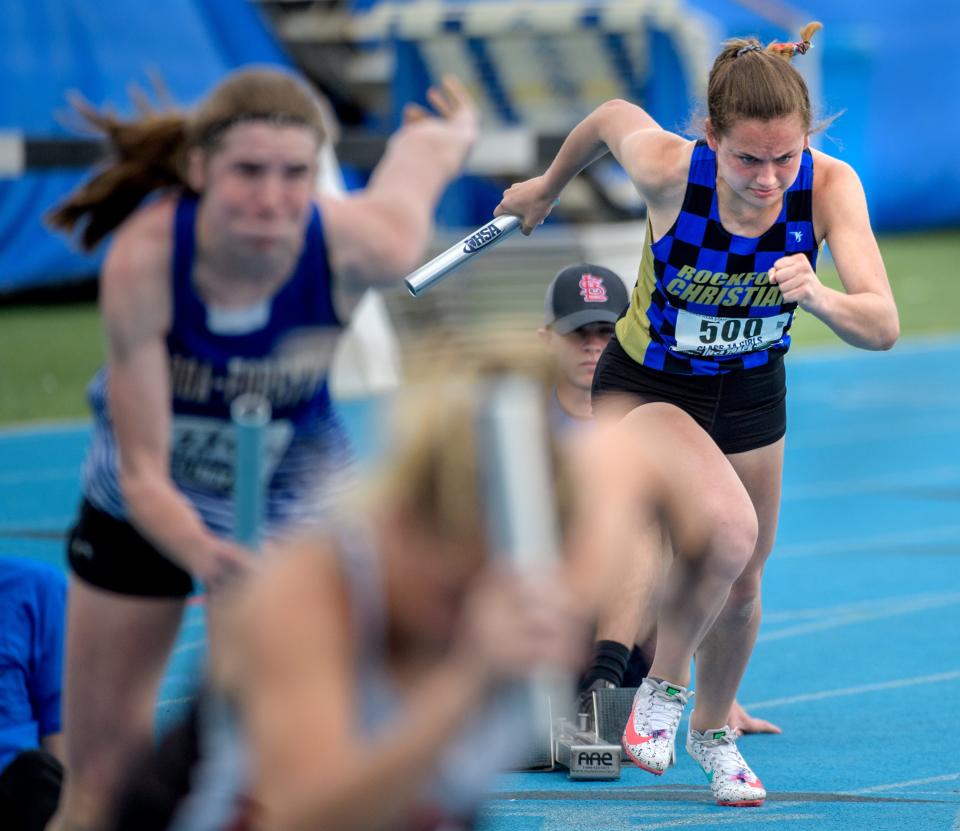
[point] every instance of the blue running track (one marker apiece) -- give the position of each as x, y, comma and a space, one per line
859, 654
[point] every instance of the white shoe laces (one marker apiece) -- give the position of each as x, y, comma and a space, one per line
726, 758
663, 714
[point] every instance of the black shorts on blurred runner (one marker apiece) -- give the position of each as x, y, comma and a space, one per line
109, 553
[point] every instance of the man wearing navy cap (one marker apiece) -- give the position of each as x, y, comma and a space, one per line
582, 304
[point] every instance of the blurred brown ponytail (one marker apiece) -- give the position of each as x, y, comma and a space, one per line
146, 154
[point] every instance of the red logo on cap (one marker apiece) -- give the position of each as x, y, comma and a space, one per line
592, 289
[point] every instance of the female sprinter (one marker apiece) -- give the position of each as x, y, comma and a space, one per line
735, 222
224, 280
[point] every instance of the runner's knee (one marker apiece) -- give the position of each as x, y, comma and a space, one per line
744, 596
731, 537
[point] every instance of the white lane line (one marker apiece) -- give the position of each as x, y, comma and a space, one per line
622, 814
942, 533
943, 793
713, 820
889, 430
896, 481
559, 816
877, 611
772, 703
907, 783
921, 395
868, 606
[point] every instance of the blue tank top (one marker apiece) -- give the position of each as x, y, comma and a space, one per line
703, 303
285, 355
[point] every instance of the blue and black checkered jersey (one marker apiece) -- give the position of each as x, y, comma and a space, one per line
703, 303
282, 351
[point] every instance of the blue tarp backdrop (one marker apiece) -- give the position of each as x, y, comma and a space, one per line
888, 68
50, 47
889, 65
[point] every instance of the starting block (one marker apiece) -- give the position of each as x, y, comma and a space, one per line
583, 754
589, 749
611, 710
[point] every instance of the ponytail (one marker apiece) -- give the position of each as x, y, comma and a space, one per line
750, 81
800, 47
145, 155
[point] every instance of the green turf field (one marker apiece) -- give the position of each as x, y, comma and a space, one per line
48, 353
47, 356
922, 270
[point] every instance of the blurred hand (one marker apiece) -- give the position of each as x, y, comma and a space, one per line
453, 108
797, 280
222, 564
514, 624
529, 200
741, 722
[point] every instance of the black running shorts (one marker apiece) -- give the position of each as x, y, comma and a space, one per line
111, 554
742, 410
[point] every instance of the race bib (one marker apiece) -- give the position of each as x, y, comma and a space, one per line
203, 451
711, 336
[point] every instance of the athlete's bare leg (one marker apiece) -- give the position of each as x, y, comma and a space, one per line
713, 527
117, 649
723, 655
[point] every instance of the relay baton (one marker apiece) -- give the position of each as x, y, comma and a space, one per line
519, 490
250, 414
483, 239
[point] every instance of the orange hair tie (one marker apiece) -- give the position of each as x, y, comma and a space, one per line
801, 47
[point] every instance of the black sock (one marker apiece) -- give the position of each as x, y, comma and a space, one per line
638, 668
608, 664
